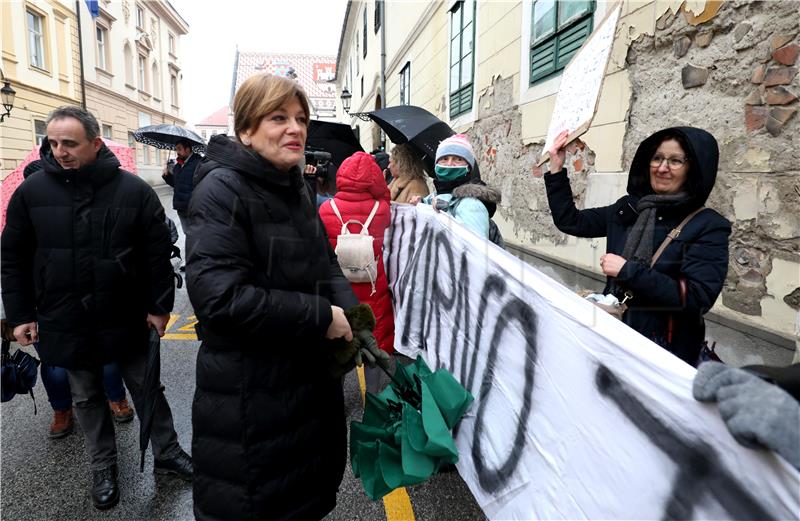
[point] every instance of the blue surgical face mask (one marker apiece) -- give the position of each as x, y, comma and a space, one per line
448, 173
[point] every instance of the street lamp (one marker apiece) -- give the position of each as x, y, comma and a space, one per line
7, 95
346, 97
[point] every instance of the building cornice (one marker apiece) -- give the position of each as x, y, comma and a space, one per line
170, 15
341, 38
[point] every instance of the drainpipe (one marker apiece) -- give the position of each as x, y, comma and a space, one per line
383, 66
80, 54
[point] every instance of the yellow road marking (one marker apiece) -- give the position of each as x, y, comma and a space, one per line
189, 328
396, 503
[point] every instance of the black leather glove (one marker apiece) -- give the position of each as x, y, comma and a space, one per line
368, 351
363, 348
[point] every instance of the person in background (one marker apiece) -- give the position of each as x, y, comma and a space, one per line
269, 437
460, 192
407, 173
360, 190
56, 382
181, 179
382, 159
86, 274
671, 176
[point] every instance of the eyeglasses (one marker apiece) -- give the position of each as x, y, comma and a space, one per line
674, 163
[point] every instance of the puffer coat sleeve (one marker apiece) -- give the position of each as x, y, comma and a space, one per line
591, 222
222, 255
17, 267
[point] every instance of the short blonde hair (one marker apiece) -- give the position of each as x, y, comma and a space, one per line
261, 94
406, 162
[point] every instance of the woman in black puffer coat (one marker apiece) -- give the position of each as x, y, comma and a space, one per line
269, 439
671, 176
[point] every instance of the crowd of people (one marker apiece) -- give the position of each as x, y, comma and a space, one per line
86, 275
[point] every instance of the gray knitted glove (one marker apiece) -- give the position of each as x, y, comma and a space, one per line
756, 412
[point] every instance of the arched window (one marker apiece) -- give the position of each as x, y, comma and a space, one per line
156, 81
128, 65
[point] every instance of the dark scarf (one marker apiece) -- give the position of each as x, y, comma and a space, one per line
639, 246
446, 187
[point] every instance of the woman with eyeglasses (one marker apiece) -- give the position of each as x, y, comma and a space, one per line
671, 176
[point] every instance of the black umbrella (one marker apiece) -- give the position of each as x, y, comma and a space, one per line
337, 139
414, 125
151, 389
166, 136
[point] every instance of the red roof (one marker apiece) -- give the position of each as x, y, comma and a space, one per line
313, 72
217, 119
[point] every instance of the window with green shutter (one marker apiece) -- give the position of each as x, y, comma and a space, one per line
558, 29
462, 46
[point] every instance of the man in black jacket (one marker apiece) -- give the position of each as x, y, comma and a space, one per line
86, 274
181, 179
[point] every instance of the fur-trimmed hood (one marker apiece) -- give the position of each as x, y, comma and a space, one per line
483, 193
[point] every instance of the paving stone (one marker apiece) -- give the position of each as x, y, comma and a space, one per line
779, 76
694, 76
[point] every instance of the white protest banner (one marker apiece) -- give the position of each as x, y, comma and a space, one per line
579, 91
576, 416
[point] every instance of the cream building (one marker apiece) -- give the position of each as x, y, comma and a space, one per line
39, 57
131, 56
492, 69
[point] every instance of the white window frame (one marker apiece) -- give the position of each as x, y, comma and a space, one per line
36, 39
405, 84
101, 33
141, 72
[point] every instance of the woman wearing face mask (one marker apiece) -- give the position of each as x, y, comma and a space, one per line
459, 192
269, 438
671, 176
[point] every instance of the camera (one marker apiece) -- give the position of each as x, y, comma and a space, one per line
321, 160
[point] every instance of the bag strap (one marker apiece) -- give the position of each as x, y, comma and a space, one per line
671, 236
336, 211
364, 225
371, 215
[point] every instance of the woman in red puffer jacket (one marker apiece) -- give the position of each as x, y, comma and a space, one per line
359, 183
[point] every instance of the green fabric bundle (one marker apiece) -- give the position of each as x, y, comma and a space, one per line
405, 434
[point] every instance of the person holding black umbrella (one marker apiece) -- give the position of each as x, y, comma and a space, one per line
90, 286
268, 424
180, 178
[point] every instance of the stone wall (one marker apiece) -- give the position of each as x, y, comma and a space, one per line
733, 72
507, 164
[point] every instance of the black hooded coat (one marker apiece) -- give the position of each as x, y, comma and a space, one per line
86, 255
269, 438
699, 254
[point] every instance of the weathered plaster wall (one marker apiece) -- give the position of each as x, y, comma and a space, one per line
735, 75
670, 67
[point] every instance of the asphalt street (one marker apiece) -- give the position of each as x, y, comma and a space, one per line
44, 479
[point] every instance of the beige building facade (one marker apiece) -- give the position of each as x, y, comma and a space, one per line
492, 69
39, 57
132, 72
